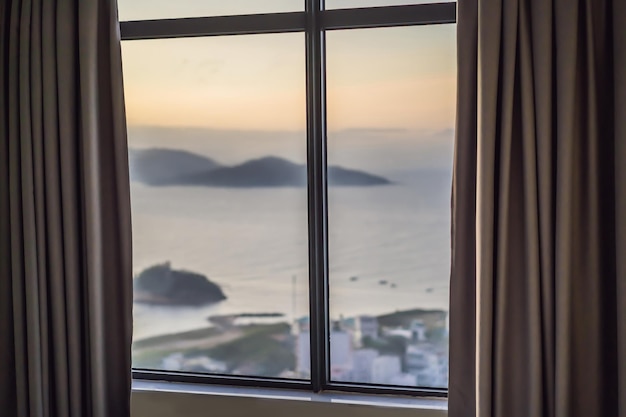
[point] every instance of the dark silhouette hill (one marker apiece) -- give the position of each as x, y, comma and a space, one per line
158, 166
271, 171
264, 172
160, 284
350, 177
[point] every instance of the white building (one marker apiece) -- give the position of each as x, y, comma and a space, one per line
428, 377
418, 331
178, 362
365, 326
303, 355
385, 368
418, 358
406, 333
442, 378
206, 363
362, 361
340, 355
428, 365
408, 380
173, 362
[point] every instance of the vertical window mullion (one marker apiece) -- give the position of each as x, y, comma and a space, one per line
317, 196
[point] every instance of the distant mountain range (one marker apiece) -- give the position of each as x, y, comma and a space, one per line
163, 167
159, 166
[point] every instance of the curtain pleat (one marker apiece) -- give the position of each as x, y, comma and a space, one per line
619, 114
8, 386
548, 164
462, 378
65, 246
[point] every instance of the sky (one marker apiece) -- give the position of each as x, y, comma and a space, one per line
398, 84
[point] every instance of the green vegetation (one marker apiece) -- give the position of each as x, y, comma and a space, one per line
265, 350
268, 349
149, 359
259, 349
158, 341
391, 345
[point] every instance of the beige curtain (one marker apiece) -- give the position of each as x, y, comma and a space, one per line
538, 297
65, 254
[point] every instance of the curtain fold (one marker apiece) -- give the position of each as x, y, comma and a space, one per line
546, 323
619, 112
65, 244
462, 339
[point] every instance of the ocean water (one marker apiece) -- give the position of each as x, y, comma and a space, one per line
389, 247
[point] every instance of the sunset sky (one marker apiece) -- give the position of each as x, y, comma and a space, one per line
398, 78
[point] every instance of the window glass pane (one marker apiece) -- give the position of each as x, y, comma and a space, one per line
217, 151
347, 4
391, 114
169, 9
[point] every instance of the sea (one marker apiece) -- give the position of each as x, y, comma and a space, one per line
389, 248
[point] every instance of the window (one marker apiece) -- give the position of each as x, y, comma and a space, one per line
234, 111
290, 192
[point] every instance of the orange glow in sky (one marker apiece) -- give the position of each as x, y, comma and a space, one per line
377, 78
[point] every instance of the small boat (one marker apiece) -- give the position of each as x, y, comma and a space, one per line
353, 278
383, 282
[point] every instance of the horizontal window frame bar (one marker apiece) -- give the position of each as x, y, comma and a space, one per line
213, 26
221, 379
409, 391
375, 17
356, 18
283, 383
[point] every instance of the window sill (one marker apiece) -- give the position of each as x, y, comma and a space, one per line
170, 399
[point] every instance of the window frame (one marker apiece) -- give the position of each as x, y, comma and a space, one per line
314, 21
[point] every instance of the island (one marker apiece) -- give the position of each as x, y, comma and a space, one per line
163, 167
162, 285
158, 166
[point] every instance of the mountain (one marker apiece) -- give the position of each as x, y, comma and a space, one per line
160, 284
158, 166
272, 171
350, 177
264, 172
161, 167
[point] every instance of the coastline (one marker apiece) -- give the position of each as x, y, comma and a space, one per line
281, 349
